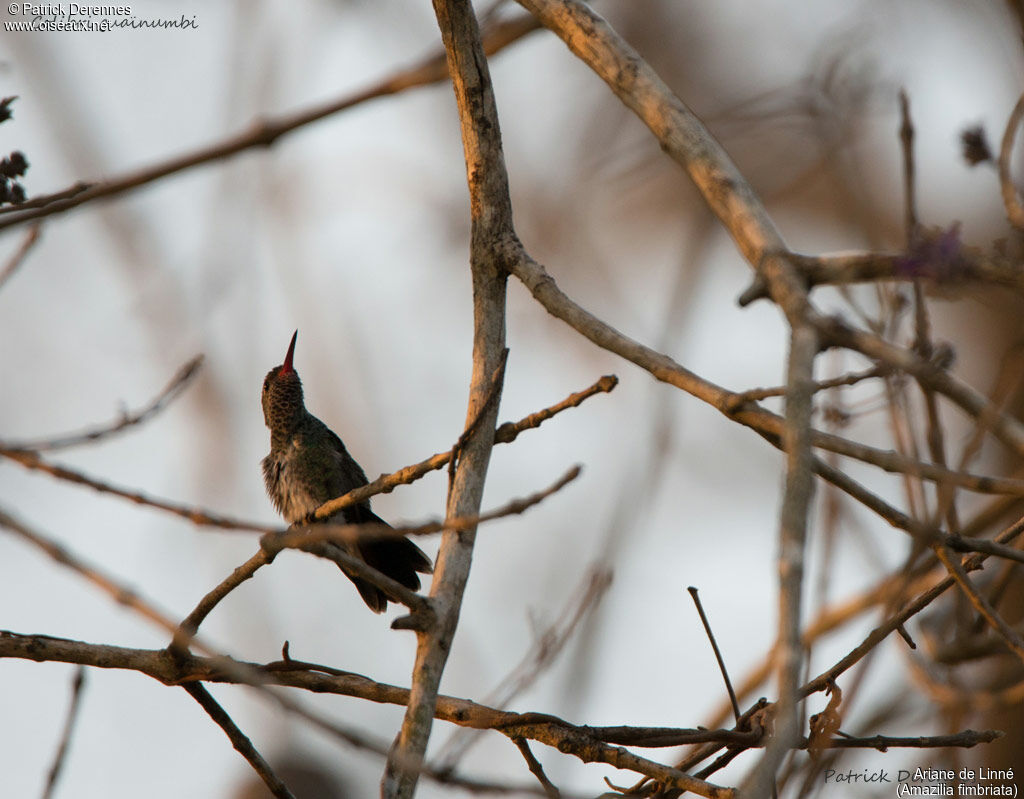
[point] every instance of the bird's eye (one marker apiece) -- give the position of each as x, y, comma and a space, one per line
266, 385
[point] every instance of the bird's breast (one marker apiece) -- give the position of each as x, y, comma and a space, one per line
291, 483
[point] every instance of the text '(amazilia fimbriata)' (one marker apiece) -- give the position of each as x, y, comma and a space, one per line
309, 465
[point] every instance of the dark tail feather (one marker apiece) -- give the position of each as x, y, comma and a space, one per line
375, 599
398, 558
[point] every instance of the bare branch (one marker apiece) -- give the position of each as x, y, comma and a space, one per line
717, 651
491, 217
175, 665
16, 260
507, 433
345, 533
65, 739
262, 133
982, 605
841, 269
965, 740
238, 739
585, 743
173, 389
757, 394
536, 769
186, 631
1011, 197
1005, 428
31, 460
547, 646
912, 608
314, 540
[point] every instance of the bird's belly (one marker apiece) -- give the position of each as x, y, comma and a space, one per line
291, 494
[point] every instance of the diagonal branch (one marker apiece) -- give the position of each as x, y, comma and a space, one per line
170, 392
16, 260
262, 133
65, 739
239, 740
506, 434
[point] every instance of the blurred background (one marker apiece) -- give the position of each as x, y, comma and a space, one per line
355, 231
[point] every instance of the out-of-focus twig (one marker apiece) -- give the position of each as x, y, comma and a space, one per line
16, 260
173, 389
547, 646
262, 133
1011, 197
178, 666
196, 515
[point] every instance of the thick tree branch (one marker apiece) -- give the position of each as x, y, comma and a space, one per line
491, 217
588, 743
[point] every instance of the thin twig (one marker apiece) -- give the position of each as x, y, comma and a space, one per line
909, 184
1004, 427
507, 433
757, 394
841, 269
536, 769
346, 533
320, 543
1011, 197
45, 199
946, 493
173, 389
186, 631
547, 646
960, 543
16, 260
915, 606
718, 653
196, 515
239, 740
262, 133
982, 605
65, 739
180, 667
964, 740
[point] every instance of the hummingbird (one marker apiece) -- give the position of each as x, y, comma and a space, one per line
309, 465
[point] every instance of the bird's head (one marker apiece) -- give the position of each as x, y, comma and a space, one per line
282, 394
